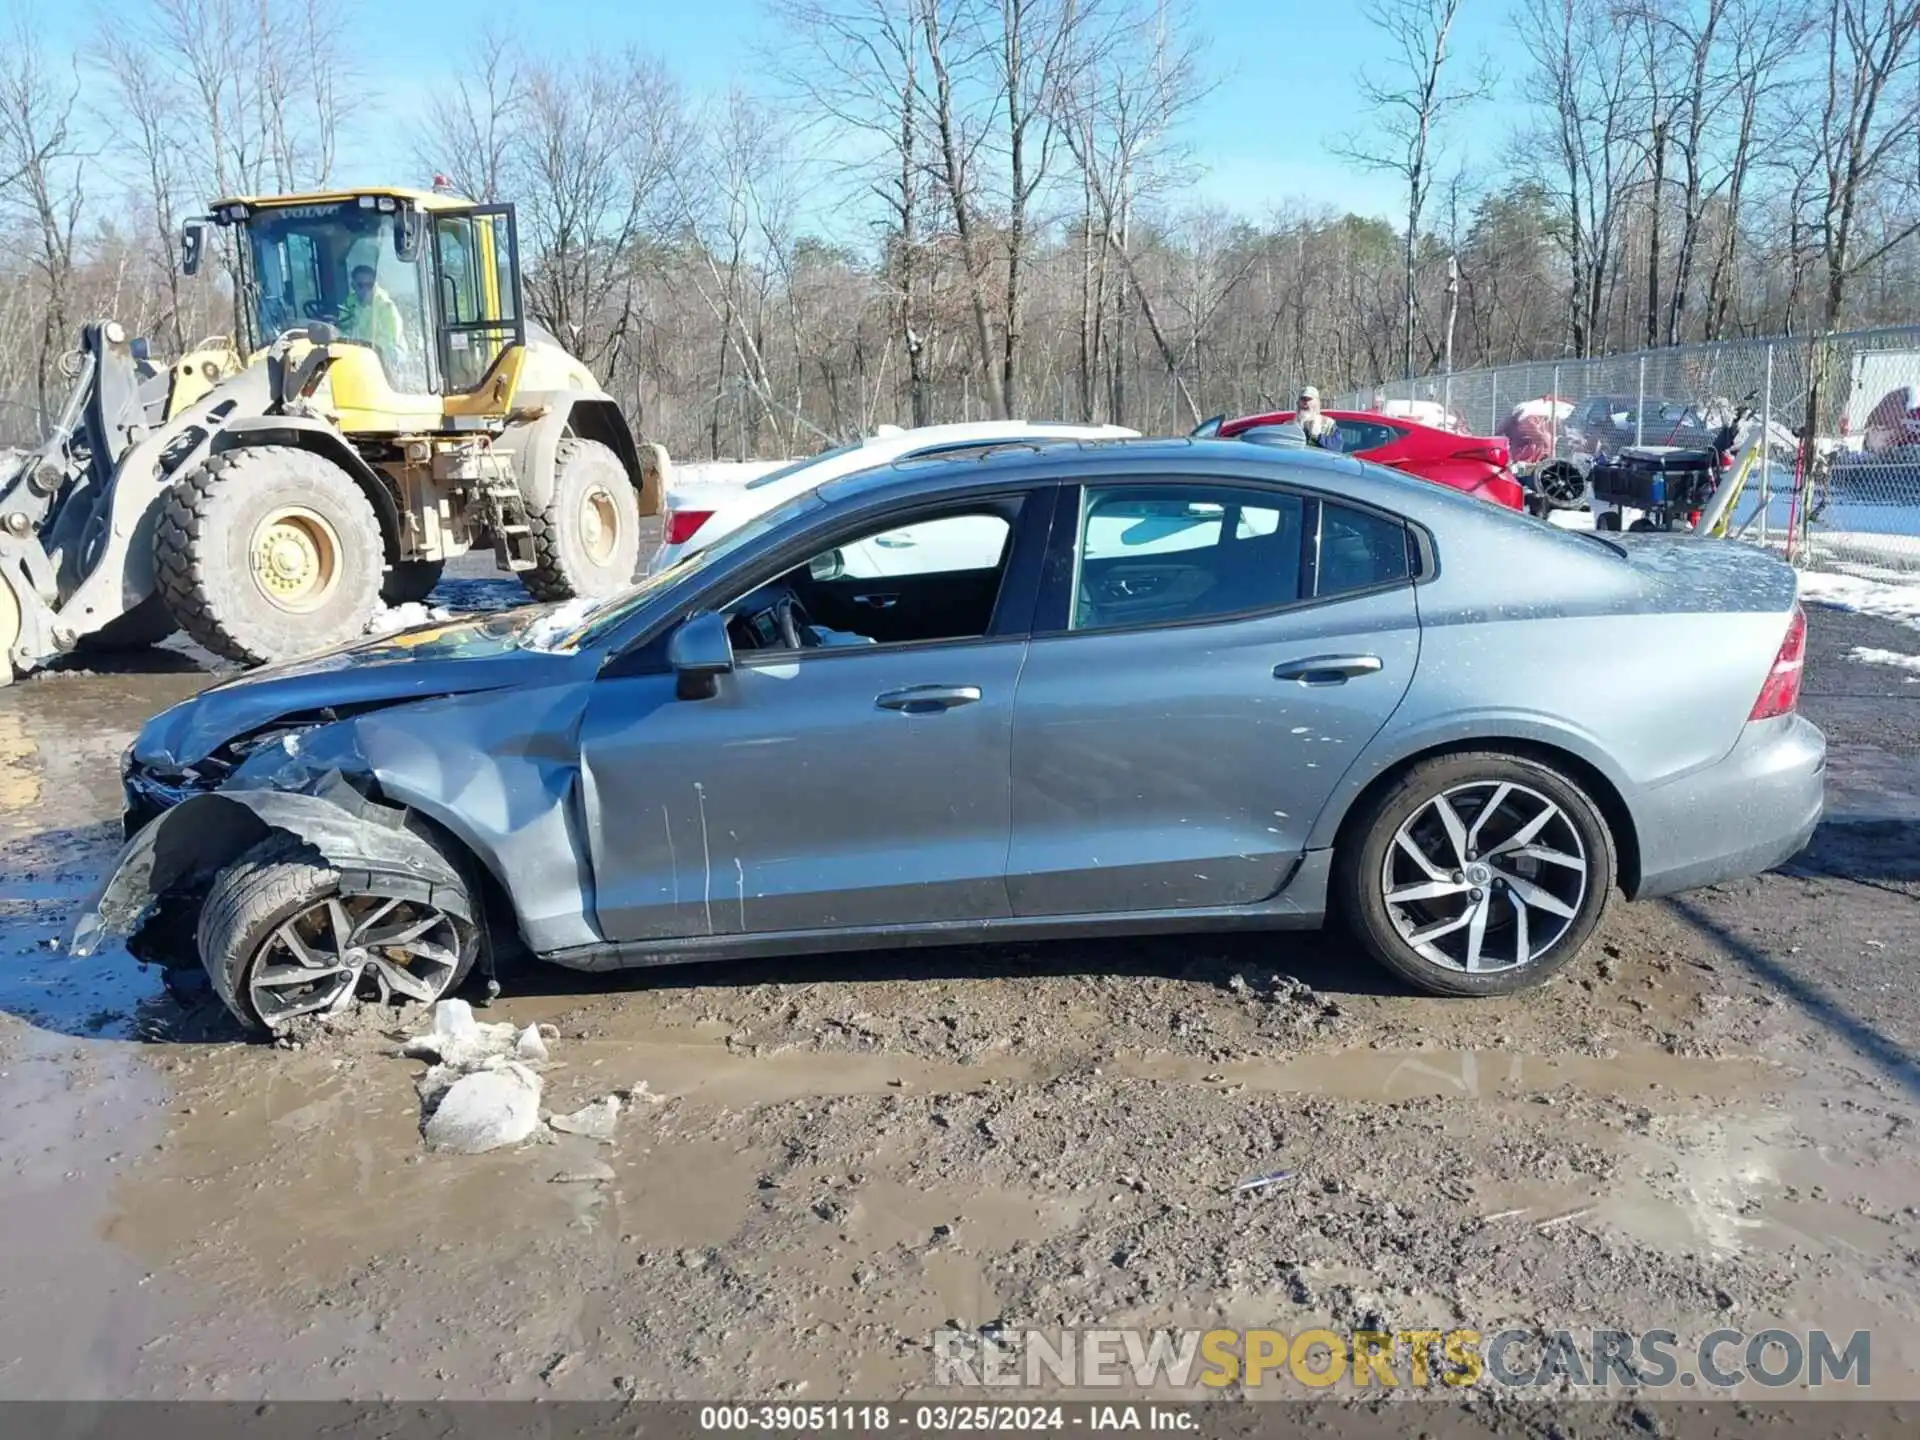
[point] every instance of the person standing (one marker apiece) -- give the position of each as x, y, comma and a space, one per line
1314, 423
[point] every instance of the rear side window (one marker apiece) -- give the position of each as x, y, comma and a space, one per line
1360, 550
1149, 555
1359, 436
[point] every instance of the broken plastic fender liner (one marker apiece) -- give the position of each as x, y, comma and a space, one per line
197, 838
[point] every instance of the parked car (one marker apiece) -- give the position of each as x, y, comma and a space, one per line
1342, 692
1607, 424
1474, 464
698, 515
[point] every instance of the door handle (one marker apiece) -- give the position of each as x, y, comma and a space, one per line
927, 699
877, 602
1327, 669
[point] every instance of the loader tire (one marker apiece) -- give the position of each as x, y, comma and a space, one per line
411, 580
586, 539
148, 623
269, 552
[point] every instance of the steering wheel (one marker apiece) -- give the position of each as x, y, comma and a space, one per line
320, 310
796, 626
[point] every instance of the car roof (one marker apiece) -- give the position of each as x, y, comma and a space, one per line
1172, 461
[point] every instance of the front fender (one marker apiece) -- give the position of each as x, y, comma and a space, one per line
535, 444
187, 845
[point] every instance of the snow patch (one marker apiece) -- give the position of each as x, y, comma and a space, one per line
405, 617
1883, 599
1866, 655
557, 624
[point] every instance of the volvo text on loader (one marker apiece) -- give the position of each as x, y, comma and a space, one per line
386, 405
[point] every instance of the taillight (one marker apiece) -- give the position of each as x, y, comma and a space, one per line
1781, 694
1487, 452
683, 525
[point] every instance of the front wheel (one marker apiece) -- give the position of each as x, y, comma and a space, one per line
268, 552
1476, 874
586, 538
282, 935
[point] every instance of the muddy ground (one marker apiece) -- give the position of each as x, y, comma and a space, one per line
1707, 1122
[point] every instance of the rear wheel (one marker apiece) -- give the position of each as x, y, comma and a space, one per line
410, 581
269, 552
586, 539
282, 935
1476, 874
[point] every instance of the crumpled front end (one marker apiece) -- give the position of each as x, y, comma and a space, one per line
174, 857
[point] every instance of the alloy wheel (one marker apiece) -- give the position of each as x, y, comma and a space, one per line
345, 948
1486, 876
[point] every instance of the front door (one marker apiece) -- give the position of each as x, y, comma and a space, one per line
1227, 652
860, 782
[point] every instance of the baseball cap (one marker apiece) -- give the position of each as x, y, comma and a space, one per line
1309, 392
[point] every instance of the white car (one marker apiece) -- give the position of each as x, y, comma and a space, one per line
697, 515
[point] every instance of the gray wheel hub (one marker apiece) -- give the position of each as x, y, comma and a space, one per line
1486, 876
343, 949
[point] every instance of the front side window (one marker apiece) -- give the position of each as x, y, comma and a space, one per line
1166, 554
338, 263
938, 577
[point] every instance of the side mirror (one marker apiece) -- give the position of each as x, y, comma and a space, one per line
193, 246
830, 566
409, 235
700, 653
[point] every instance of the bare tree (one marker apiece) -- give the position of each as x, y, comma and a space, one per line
1118, 108
1867, 123
41, 160
1411, 104
1579, 155
471, 126
148, 117
858, 65
593, 155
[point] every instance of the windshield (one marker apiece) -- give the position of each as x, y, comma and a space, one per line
604, 617
337, 263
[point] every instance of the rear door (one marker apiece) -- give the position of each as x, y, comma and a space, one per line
1209, 659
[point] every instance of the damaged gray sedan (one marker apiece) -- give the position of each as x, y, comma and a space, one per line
1057, 690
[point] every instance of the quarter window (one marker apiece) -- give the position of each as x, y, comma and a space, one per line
1360, 550
1158, 554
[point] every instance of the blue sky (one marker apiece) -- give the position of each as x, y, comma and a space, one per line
1284, 76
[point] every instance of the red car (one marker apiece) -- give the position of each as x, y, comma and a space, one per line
1475, 464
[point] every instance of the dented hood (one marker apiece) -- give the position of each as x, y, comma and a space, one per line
457, 658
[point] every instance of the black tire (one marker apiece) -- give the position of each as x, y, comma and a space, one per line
1609, 522
148, 623
205, 562
248, 901
568, 561
1360, 868
411, 580
1561, 486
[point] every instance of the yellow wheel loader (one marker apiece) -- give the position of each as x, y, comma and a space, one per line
386, 406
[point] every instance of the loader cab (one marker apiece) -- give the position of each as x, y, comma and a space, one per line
430, 284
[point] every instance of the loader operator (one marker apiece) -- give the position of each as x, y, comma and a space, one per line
371, 317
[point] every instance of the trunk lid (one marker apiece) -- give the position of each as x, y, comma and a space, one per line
1688, 573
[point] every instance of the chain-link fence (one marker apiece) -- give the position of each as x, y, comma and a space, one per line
1849, 500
